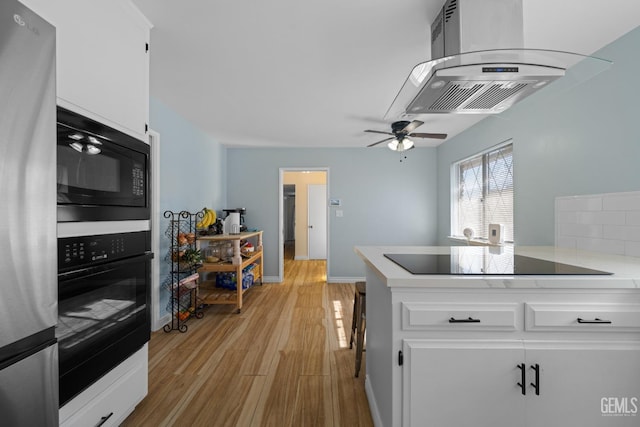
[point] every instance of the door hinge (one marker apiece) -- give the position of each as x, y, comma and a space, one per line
146, 128
400, 358
146, 47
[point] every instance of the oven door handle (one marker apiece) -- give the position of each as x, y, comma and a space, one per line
108, 266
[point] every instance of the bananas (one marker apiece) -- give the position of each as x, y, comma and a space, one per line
208, 218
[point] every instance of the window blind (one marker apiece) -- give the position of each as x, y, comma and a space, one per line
485, 193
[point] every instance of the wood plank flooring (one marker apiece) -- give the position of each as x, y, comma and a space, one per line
284, 361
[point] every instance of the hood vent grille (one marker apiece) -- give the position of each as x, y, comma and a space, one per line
495, 94
472, 92
454, 96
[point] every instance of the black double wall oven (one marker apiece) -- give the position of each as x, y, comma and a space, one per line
104, 280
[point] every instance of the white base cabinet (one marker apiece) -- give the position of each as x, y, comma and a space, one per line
577, 381
520, 383
455, 357
460, 383
108, 401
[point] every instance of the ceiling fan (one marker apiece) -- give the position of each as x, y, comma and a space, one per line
400, 133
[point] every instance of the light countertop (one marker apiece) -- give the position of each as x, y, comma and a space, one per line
626, 270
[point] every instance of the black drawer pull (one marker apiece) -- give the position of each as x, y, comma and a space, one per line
523, 379
467, 320
596, 320
104, 419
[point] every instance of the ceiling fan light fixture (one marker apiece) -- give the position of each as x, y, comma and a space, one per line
400, 145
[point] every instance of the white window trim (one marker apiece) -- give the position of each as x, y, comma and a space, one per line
476, 241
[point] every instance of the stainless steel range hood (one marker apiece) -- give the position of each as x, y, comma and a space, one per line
481, 66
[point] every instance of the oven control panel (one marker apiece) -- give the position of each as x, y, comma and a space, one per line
81, 251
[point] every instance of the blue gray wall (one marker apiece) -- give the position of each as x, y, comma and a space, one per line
384, 201
192, 174
582, 140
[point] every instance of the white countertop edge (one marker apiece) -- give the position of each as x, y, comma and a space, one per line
626, 270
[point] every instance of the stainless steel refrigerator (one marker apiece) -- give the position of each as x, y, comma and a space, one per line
28, 265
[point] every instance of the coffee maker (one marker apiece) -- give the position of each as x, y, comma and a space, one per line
241, 211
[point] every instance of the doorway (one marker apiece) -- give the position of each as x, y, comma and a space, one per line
303, 215
289, 227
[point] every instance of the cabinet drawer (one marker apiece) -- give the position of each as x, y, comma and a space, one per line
582, 317
112, 398
464, 317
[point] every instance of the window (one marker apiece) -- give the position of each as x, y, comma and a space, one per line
483, 193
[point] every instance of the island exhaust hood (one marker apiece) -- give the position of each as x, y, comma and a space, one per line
481, 66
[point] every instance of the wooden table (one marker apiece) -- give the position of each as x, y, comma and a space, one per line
208, 293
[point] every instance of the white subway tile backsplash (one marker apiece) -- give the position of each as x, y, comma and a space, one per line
616, 247
632, 249
622, 201
567, 242
608, 223
622, 232
633, 218
579, 203
580, 230
566, 217
602, 217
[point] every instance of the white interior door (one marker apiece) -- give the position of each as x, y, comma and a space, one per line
317, 212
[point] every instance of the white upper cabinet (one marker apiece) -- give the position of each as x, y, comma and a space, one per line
102, 60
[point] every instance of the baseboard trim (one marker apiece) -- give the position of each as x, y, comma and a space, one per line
271, 279
373, 406
300, 258
161, 322
338, 279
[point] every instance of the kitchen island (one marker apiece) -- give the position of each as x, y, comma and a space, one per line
473, 348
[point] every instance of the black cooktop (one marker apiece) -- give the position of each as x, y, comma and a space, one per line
479, 265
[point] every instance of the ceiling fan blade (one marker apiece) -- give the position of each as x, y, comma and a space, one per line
429, 135
380, 142
378, 131
411, 126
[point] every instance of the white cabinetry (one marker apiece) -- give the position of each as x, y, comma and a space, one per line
102, 60
517, 383
462, 383
575, 377
108, 401
454, 357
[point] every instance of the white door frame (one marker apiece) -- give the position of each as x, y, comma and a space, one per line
154, 141
281, 216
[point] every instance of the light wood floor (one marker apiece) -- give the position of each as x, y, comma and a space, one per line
284, 361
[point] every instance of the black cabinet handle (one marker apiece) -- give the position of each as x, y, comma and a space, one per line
596, 320
467, 320
104, 419
523, 379
536, 385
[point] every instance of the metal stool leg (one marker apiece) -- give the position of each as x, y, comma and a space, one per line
354, 318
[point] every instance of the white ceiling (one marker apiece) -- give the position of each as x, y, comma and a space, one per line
316, 74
